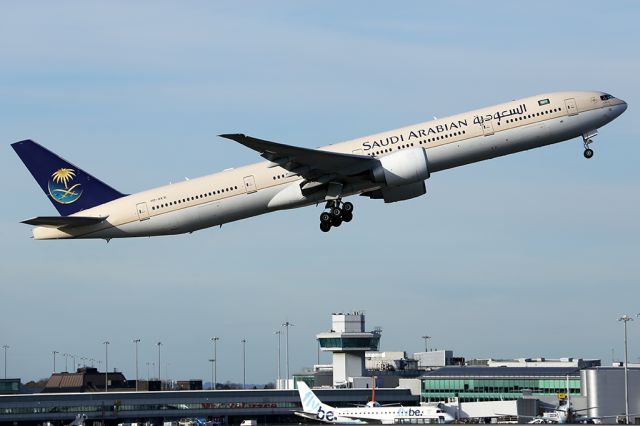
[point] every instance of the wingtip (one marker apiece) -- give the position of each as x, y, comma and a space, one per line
233, 136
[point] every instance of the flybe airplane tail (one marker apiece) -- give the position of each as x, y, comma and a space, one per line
310, 402
69, 188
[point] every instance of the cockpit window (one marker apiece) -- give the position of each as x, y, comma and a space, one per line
606, 97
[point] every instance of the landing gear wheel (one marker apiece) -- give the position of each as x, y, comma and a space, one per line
347, 207
325, 226
336, 212
588, 153
336, 221
325, 217
347, 216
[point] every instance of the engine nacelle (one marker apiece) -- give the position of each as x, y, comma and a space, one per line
404, 192
398, 193
402, 168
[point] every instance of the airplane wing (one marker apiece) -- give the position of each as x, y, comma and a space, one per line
64, 222
312, 164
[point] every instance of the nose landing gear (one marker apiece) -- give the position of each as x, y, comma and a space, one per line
586, 138
338, 212
588, 153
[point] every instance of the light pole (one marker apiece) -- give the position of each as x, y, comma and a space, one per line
167, 381
66, 366
212, 361
625, 318
54, 360
5, 347
136, 341
426, 339
148, 375
215, 360
159, 365
278, 333
106, 365
73, 364
287, 324
244, 364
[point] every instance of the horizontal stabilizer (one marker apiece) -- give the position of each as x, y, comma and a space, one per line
64, 221
311, 416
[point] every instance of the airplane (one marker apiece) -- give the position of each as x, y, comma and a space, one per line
392, 166
79, 420
564, 413
561, 414
372, 413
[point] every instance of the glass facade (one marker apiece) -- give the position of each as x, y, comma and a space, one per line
145, 407
371, 343
8, 386
490, 389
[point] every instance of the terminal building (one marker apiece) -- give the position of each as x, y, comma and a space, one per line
267, 406
474, 388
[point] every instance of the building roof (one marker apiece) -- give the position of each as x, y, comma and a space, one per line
471, 372
83, 380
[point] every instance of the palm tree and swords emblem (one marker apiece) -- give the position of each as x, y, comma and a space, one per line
59, 187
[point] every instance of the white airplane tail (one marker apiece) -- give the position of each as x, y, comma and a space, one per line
311, 403
79, 420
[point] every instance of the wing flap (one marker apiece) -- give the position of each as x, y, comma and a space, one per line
64, 221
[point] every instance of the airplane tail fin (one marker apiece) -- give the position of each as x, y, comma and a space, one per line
69, 188
79, 420
310, 402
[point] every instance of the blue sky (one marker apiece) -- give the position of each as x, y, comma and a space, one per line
535, 254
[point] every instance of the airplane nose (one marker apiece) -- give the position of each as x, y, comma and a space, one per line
624, 106
618, 108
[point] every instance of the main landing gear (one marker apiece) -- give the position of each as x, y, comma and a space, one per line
337, 212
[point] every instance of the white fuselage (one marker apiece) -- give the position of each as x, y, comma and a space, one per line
261, 188
386, 415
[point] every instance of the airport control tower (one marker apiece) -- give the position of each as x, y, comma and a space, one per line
348, 342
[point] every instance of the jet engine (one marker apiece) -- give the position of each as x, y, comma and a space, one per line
402, 168
403, 174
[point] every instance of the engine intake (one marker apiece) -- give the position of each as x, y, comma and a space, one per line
402, 168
